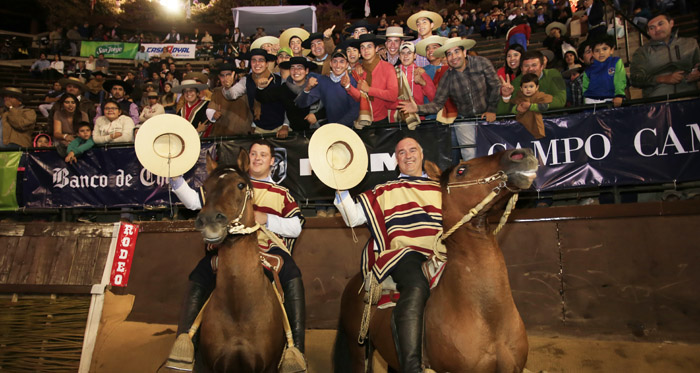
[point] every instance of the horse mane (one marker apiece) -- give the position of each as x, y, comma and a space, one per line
224, 168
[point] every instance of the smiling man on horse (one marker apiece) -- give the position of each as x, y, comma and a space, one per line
274, 208
403, 217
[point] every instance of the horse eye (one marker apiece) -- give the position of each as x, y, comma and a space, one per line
241, 186
461, 170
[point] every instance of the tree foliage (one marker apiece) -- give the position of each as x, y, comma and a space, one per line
329, 14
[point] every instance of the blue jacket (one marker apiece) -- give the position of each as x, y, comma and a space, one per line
604, 80
340, 107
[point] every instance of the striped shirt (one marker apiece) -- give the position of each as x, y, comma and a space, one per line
475, 90
274, 200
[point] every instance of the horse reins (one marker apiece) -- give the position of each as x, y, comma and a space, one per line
499, 176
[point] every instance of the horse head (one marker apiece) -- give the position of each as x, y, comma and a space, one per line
229, 200
484, 184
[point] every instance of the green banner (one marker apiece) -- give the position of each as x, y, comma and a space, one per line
109, 49
8, 180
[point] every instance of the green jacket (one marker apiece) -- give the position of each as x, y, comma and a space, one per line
551, 83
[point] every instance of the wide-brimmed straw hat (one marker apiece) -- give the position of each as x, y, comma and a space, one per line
454, 42
74, 81
553, 25
396, 32
167, 145
338, 156
423, 44
289, 33
190, 83
258, 43
196, 75
436, 18
13, 92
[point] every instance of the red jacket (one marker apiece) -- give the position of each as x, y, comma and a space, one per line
384, 89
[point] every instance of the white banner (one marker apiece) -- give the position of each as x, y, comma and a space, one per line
176, 50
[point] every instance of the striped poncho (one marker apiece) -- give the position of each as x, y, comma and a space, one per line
403, 215
276, 200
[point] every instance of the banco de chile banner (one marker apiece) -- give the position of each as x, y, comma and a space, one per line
644, 144
102, 177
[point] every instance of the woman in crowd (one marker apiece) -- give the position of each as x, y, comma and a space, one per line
168, 99
90, 63
56, 67
113, 127
512, 66
66, 116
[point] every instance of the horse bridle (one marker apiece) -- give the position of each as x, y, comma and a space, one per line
502, 180
235, 226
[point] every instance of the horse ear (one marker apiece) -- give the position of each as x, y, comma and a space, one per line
432, 170
211, 164
243, 160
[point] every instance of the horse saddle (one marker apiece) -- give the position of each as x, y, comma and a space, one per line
432, 270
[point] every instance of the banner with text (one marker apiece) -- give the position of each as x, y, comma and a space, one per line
111, 49
176, 50
102, 177
655, 143
293, 170
124, 254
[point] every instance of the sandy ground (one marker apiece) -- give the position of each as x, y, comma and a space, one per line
138, 347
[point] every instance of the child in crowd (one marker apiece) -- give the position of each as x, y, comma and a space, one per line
529, 94
605, 80
81, 144
42, 140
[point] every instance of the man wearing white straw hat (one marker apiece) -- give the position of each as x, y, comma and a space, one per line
411, 209
423, 22
276, 209
471, 83
394, 37
195, 109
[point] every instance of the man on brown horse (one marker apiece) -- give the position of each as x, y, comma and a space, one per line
403, 216
274, 208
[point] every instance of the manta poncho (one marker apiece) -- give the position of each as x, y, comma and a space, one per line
403, 215
276, 200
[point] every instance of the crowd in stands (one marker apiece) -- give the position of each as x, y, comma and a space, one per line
422, 69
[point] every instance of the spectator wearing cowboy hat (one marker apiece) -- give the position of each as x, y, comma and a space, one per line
95, 87
300, 118
360, 27
195, 109
292, 38
233, 117
393, 38
17, 121
78, 89
331, 92
426, 48
118, 91
556, 42
377, 87
268, 117
147, 88
153, 108
320, 44
423, 22
472, 84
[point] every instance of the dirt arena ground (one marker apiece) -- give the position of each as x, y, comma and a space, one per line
139, 347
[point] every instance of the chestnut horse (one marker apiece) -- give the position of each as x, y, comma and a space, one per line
241, 327
471, 322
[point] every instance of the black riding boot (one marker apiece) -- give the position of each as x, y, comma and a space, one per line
295, 305
192, 304
407, 328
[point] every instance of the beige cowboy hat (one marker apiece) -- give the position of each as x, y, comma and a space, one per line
258, 43
198, 76
454, 42
13, 92
74, 81
396, 32
436, 18
288, 34
338, 156
167, 145
553, 25
423, 44
189, 83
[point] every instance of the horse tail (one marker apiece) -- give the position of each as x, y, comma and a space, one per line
342, 358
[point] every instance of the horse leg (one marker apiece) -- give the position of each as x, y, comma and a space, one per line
348, 354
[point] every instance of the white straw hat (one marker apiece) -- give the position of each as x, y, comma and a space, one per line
338, 156
167, 145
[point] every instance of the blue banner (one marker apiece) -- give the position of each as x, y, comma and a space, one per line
645, 144
102, 177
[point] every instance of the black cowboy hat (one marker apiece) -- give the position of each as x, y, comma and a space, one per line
339, 52
99, 72
355, 43
306, 44
361, 23
228, 67
107, 85
297, 61
258, 52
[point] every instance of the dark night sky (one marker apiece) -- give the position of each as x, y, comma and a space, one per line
356, 8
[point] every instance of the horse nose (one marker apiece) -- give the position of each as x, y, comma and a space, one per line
209, 217
519, 155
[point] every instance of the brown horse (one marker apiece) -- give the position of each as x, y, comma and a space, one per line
471, 322
242, 327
